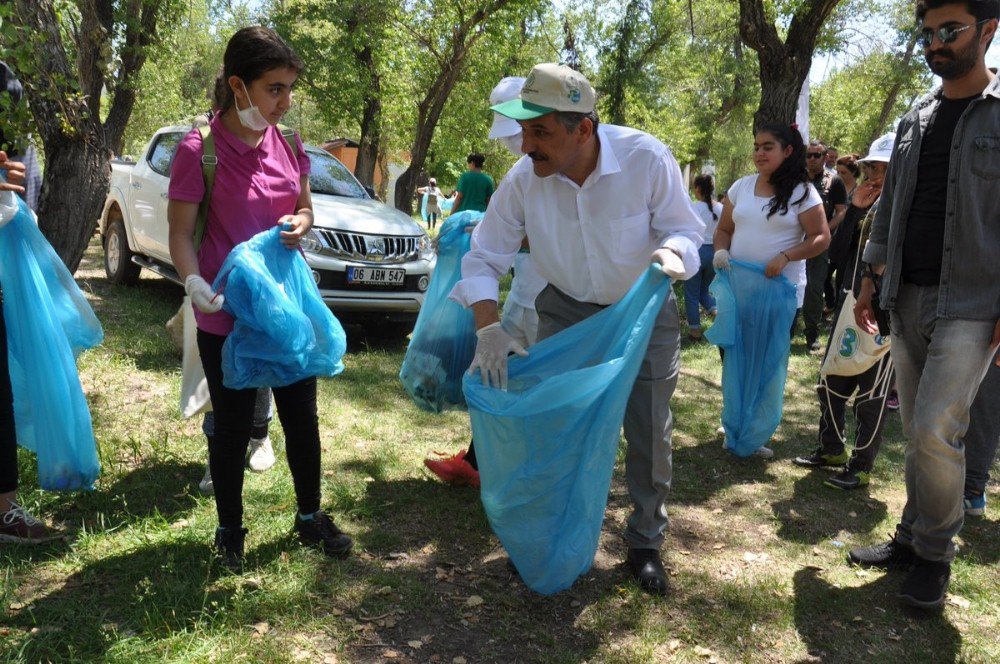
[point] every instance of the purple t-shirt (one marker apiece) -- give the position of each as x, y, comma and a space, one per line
254, 187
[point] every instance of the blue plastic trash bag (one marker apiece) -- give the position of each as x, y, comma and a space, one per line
754, 316
49, 323
446, 205
546, 447
423, 208
444, 338
283, 332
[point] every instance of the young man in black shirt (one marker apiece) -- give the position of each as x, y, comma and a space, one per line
834, 194
931, 260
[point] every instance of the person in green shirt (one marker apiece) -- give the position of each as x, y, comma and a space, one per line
474, 187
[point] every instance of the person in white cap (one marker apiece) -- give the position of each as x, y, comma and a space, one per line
597, 203
870, 385
519, 319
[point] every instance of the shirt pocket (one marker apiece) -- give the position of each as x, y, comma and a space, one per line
986, 157
630, 235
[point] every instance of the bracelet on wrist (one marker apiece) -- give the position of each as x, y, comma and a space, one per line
787, 259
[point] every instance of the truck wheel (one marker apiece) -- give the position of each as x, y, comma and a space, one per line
118, 263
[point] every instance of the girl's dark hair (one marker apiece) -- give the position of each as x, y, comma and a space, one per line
706, 186
850, 162
792, 171
249, 54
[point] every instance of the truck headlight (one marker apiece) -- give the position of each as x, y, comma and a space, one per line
425, 247
312, 242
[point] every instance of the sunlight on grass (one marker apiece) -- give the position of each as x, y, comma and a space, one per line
755, 549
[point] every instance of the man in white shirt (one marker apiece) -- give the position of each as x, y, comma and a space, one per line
597, 204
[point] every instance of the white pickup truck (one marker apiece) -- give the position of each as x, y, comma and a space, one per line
370, 261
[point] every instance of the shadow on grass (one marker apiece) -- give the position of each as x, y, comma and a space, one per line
873, 615
157, 591
815, 512
704, 470
432, 550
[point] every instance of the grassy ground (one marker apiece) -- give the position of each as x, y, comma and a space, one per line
755, 550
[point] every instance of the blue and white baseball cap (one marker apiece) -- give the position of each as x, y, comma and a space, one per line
508, 88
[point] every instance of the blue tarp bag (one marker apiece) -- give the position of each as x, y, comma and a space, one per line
546, 447
283, 332
754, 316
444, 338
49, 323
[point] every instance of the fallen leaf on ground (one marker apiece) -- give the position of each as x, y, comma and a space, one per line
674, 644
458, 660
261, 628
475, 600
959, 601
416, 644
702, 651
391, 654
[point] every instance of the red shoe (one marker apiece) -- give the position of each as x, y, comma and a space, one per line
454, 470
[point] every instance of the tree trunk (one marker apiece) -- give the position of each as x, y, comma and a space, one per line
781, 82
68, 213
65, 103
463, 37
77, 170
371, 122
893, 94
784, 65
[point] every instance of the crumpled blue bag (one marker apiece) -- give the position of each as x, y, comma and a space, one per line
283, 331
444, 338
754, 316
49, 323
547, 446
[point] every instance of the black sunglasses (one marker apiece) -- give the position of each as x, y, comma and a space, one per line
945, 35
814, 155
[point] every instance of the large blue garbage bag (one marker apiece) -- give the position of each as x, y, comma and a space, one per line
754, 316
444, 338
49, 323
283, 332
546, 447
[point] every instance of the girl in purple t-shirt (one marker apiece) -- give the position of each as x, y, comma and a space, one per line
259, 182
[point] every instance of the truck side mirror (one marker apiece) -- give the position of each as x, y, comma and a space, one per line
371, 192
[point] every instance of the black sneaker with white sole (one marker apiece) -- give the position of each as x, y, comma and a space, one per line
926, 584
320, 532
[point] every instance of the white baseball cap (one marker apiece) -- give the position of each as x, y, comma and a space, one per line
881, 149
550, 87
507, 89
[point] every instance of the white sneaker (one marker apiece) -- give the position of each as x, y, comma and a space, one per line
721, 431
764, 452
205, 485
261, 454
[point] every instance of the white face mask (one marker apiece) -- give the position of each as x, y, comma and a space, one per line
512, 143
251, 117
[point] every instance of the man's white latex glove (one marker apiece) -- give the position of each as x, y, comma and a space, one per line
492, 348
202, 295
670, 263
720, 261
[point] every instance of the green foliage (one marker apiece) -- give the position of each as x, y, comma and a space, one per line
845, 109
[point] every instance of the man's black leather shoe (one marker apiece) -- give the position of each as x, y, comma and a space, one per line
648, 570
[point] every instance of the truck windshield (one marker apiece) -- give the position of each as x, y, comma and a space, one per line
329, 176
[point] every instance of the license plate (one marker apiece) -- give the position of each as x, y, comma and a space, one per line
375, 276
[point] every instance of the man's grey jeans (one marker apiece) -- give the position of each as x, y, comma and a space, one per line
939, 365
648, 421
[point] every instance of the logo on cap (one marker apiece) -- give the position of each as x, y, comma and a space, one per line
574, 96
885, 143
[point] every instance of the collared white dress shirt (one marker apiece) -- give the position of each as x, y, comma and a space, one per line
592, 241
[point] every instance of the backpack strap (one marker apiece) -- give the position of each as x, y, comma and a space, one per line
208, 163
289, 135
